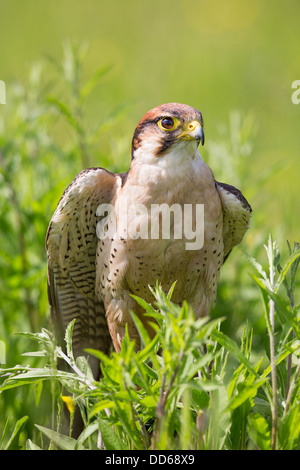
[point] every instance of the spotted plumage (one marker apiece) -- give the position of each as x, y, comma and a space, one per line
92, 279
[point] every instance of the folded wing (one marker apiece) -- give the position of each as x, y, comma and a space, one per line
236, 216
71, 245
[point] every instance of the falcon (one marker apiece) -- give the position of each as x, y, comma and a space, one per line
91, 278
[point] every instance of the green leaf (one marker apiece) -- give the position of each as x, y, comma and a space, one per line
84, 366
147, 307
88, 431
245, 391
109, 437
32, 446
149, 402
259, 431
289, 429
143, 371
192, 367
148, 349
127, 395
100, 406
60, 440
233, 348
257, 266
38, 391
290, 261
107, 124
171, 290
68, 340
17, 428
186, 420
290, 347
124, 414
99, 355
54, 62
64, 110
92, 82
283, 311
200, 399
145, 339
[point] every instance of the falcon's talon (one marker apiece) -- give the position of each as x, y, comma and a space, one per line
92, 279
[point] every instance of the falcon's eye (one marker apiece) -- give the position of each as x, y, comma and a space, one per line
167, 123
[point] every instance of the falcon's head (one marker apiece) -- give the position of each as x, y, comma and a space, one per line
166, 128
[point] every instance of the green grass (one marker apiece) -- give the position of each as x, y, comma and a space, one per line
230, 381
190, 387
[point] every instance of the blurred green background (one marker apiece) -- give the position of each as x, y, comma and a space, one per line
216, 56
234, 60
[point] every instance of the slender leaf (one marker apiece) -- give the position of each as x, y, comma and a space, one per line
32, 446
109, 437
65, 111
16, 429
87, 432
93, 81
259, 431
60, 440
283, 272
233, 348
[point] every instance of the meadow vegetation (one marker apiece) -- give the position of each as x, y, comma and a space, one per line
230, 381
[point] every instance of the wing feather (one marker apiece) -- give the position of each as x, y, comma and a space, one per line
71, 245
236, 216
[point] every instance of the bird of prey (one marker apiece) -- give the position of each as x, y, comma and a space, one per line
92, 278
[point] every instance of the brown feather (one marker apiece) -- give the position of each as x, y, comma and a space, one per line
71, 246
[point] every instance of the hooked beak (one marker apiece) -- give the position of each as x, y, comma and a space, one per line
193, 131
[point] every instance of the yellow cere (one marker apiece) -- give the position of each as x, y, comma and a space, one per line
189, 127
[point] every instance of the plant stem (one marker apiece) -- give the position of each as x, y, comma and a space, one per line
273, 366
161, 406
274, 379
289, 361
292, 388
80, 374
